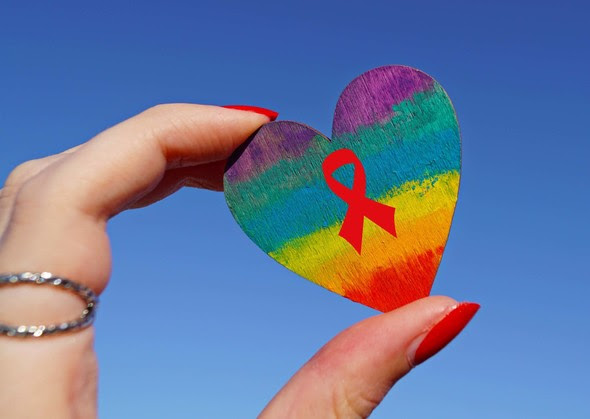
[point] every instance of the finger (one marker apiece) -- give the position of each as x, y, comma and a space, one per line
57, 218
352, 374
129, 160
65, 207
204, 176
18, 177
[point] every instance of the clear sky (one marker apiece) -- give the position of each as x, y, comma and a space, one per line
197, 321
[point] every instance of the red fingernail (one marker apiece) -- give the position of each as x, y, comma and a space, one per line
445, 331
272, 115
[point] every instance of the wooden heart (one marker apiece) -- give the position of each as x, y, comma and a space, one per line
367, 213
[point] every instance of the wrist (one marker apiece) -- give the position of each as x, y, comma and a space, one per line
50, 376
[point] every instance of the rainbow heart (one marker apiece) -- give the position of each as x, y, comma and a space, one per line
394, 159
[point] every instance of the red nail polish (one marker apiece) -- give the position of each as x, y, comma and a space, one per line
272, 115
445, 331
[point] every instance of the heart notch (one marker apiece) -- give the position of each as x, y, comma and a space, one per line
367, 213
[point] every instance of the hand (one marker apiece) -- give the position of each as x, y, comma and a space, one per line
53, 214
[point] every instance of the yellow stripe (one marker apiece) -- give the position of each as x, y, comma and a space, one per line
423, 214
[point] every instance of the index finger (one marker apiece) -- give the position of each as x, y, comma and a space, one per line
128, 160
64, 208
57, 224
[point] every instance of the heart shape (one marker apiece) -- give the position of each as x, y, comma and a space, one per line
394, 159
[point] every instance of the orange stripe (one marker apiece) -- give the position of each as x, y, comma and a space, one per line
400, 284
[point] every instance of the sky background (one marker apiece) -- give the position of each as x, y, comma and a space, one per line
217, 326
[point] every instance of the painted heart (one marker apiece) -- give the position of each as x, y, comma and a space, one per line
367, 213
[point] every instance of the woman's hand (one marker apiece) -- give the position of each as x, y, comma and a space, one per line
53, 214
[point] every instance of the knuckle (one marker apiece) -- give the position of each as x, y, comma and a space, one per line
29, 169
347, 399
39, 189
170, 120
14, 182
167, 108
21, 173
158, 116
162, 109
174, 115
36, 201
349, 404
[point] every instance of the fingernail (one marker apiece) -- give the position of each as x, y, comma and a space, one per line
272, 115
443, 332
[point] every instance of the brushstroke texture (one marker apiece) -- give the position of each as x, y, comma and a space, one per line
402, 126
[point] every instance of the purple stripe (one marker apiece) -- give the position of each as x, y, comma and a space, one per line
369, 97
275, 141
366, 100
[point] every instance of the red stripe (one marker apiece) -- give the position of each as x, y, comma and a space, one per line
401, 284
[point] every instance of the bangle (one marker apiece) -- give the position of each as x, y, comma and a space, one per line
85, 319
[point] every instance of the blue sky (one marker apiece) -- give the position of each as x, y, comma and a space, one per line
197, 321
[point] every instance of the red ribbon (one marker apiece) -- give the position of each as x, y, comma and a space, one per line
359, 206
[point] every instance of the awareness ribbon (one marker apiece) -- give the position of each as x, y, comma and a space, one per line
359, 206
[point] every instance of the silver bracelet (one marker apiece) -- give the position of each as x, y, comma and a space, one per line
47, 279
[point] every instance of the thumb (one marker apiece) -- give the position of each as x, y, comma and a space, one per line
352, 374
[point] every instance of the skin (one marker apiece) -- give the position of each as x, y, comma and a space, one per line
53, 216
